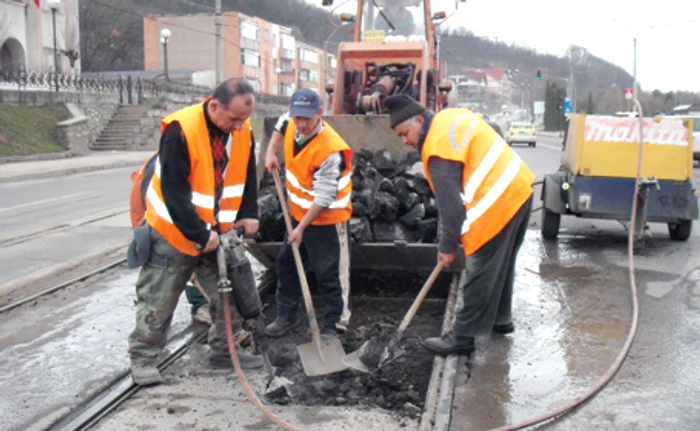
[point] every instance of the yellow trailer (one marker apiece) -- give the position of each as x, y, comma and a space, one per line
599, 169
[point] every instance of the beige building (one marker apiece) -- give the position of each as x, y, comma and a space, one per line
27, 35
264, 53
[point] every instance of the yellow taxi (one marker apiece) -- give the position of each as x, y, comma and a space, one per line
522, 132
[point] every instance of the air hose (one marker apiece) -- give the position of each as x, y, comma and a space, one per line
239, 373
615, 367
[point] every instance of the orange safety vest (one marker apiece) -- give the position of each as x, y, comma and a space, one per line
194, 127
300, 171
495, 182
137, 200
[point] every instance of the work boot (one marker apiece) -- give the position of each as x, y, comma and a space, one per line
203, 315
504, 329
329, 333
282, 325
247, 360
448, 344
144, 372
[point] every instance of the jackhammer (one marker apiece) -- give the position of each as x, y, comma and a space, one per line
236, 278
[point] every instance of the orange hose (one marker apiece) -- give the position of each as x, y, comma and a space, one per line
241, 377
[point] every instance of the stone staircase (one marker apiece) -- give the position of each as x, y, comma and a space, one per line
122, 126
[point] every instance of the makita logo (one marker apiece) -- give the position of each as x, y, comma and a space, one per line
665, 132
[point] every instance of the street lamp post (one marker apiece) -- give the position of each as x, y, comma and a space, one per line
279, 84
54, 5
164, 36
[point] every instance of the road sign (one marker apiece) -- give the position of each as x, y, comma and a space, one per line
538, 107
567, 105
629, 93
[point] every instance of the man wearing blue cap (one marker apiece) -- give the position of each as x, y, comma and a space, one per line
318, 171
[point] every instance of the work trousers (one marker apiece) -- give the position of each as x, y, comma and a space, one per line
160, 283
489, 275
325, 251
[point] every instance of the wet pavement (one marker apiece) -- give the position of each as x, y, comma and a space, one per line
67, 347
573, 312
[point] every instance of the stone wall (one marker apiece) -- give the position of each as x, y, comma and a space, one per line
74, 133
91, 113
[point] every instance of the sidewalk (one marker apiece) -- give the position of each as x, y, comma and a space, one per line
95, 160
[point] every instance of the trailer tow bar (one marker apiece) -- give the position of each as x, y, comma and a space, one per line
643, 186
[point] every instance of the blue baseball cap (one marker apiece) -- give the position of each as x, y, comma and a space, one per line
304, 103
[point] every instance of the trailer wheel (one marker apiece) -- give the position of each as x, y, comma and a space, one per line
550, 223
680, 231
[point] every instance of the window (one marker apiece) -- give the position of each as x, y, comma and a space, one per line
313, 76
286, 65
254, 83
304, 74
287, 41
250, 58
286, 89
308, 55
249, 30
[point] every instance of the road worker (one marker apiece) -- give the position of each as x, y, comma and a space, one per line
483, 192
204, 185
318, 170
141, 178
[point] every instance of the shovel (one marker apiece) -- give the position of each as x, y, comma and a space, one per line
372, 354
320, 356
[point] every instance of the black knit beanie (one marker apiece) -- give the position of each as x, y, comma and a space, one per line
402, 107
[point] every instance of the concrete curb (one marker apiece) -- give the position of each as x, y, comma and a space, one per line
68, 171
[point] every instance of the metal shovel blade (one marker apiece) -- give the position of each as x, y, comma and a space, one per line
316, 365
352, 360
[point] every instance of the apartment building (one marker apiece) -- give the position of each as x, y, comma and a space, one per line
27, 35
263, 52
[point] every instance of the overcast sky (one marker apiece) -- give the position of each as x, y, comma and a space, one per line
667, 32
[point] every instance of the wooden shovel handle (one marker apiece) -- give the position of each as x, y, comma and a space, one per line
416, 304
310, 312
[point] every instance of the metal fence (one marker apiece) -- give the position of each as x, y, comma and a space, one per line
131, 90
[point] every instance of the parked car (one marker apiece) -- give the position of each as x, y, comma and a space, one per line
521, 132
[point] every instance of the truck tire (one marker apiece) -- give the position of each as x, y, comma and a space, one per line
550, 224
680, 231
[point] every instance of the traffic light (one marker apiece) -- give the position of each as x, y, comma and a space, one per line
539, 75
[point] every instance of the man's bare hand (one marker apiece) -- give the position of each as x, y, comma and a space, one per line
446, 258
296, 237
271, 162
212, 243
251, 225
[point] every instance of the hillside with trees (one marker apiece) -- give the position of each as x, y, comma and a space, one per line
112, 39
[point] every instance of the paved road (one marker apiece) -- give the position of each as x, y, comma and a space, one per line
51, 225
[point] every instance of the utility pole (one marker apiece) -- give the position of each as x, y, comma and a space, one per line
218, 22
572, 93
634, 83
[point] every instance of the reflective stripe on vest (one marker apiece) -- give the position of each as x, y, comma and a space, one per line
495, 181
300, 169
194, 127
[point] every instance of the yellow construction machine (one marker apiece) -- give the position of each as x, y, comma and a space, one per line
394, 50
